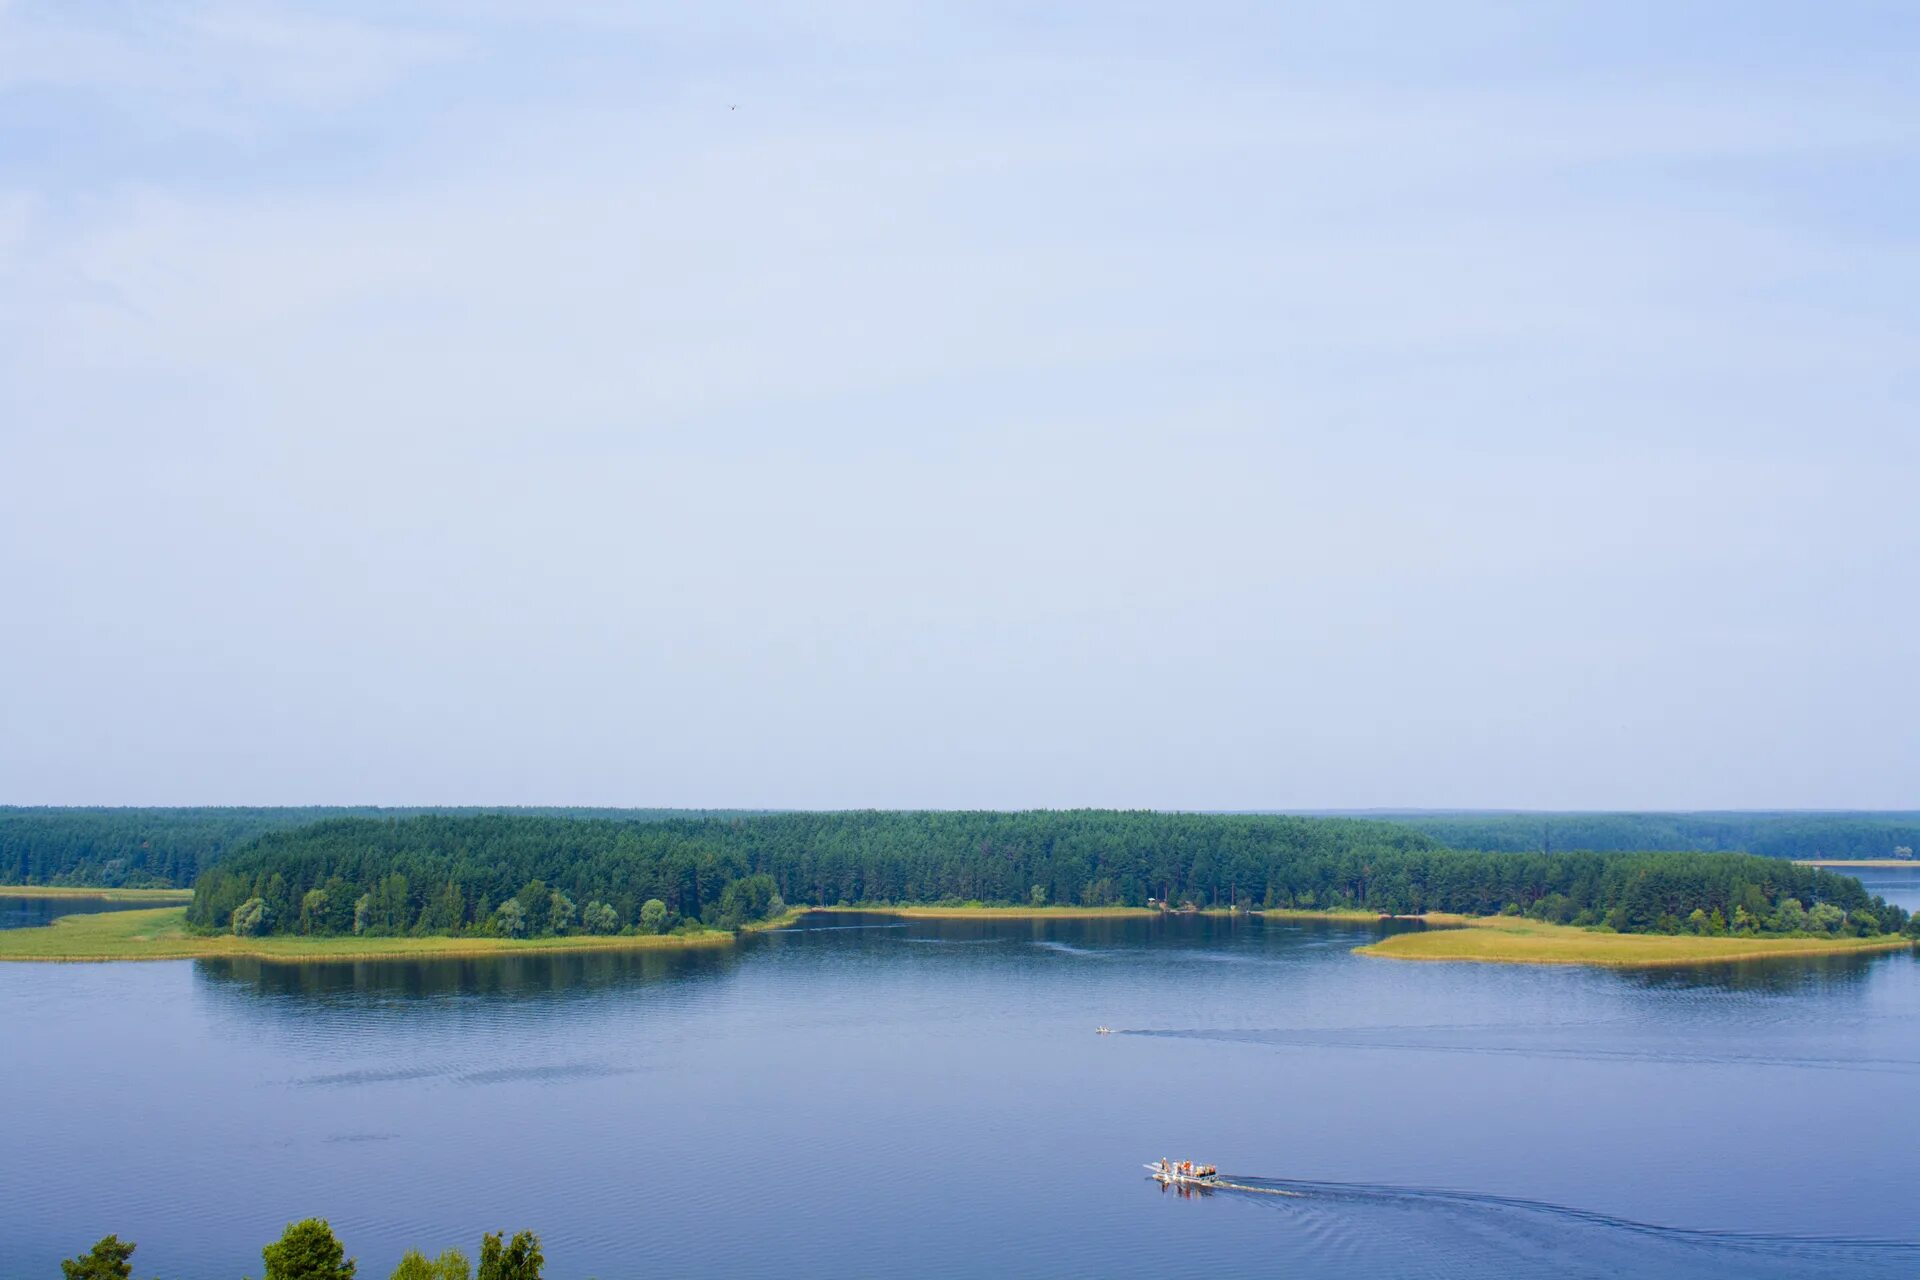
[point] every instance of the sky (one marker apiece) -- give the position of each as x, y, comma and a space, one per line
1215, 405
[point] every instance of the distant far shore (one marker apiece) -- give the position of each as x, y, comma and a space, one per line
1857, 862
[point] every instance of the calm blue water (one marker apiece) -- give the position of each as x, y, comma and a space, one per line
932, 1099
26, 913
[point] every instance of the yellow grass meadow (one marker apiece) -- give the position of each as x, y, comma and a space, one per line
1517, 940
161, 934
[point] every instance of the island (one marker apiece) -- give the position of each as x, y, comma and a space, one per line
470, 885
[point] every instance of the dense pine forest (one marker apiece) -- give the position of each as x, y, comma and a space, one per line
529, 876
1771, 835
168, 848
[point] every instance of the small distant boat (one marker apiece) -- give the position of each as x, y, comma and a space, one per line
1184, 1173
1103, 1031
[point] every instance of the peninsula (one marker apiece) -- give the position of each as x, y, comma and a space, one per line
1517, 940
162, 934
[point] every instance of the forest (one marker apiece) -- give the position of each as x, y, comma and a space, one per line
1771, 835
168, 848
530, 876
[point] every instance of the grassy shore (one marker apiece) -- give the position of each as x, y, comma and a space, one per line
157, 897
1517, 940
1842, 864
161, 934
1329, 913
781, 921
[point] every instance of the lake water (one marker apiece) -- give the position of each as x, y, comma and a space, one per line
27, 913
863, 1097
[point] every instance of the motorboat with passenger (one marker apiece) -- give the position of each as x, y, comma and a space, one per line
1184, 1173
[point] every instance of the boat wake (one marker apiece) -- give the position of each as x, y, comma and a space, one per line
1461, 1232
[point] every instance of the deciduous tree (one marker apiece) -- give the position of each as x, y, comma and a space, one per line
251, 917
519, 1259
307, 1250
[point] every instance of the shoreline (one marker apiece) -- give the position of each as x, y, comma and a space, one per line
1518, 940
778, 922
156, 896
160, 934
1835, 864
1347, 915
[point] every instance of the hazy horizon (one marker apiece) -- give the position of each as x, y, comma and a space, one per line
843, 405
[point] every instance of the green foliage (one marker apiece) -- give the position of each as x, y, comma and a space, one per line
1037, 895
510, 919
745, 900
519, 1259
307, 1250
169, 848
536, 904
109, 1259
1772, 835
251, 918
450, 1265
387, 908
313, 911
439, 875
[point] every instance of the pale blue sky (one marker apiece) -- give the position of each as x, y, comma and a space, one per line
1203, 405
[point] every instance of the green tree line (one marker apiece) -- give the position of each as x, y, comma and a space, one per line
1771, 835
168, 848
308, 1250
526, 876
